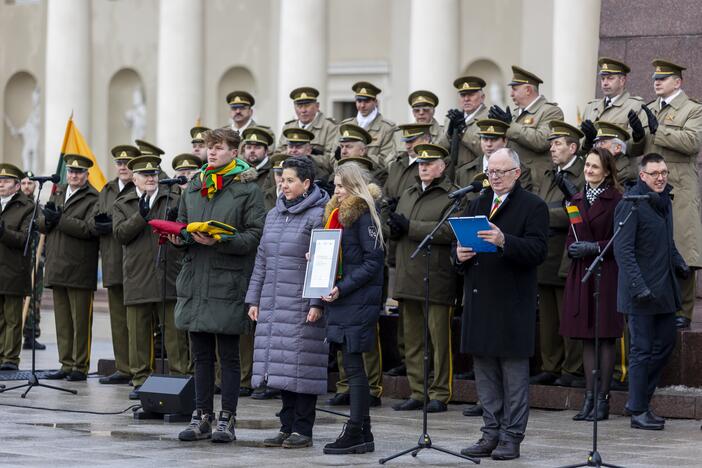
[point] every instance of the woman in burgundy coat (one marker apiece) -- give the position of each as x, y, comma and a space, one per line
596, 204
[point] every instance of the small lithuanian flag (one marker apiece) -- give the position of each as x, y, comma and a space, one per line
574, 214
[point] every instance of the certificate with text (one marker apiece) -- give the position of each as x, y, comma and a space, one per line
323, 263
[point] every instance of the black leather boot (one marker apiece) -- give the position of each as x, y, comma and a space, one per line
588, 404
368, 435
601, 409
349, 441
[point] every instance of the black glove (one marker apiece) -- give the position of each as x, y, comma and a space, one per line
590, 132
398, 223
566, 186
681, 271
144, 207
457, 122
644, 297
496, 112
172, 213
52, 213
637, 130
652, 120
103, 223
317, 151
580, 249
337, 153
391, 204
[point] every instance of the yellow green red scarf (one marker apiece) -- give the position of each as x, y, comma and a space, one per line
333, 223
212, 177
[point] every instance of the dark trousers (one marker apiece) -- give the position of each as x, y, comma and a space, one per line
503, 390
298, 412
652, 340
358, 385
203, 346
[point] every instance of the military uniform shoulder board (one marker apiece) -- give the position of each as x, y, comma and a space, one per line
389, 122
350, 119
651, 102
696, 101
290, 121
636, 98
331, 119
263, 126
552, 103
594, 101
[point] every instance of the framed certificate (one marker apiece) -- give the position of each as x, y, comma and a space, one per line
323, 263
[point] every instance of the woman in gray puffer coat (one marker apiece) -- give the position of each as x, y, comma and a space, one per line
290, 353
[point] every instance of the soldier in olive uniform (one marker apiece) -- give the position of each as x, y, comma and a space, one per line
256, 141
419, 209
382, 148
270, 195
71, 266
423, 104
15, 275
461, 123
198, 142
186, 165
311, 118
675, 132
143, 277
614, 138
299, 144
111, 255
353, 146
529, 130
561, 356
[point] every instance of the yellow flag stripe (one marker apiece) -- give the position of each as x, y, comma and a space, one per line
74, 142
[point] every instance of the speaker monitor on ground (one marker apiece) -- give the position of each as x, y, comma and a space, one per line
167, 394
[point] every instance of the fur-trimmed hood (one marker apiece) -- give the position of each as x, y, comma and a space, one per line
352, 208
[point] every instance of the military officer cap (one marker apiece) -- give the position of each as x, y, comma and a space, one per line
428, 152
8, 170
240, 99
198, 134
277, 161
365, 90
561, 129
186, 161
351, 132
522, 76
77, 162
124, 152
664, 69
145, 164
146, 148
466, 84
610, 66
298, 136
257, 136
364, 161
304, 95
28, 174
413, 131
609, 130
423, 98
492, 128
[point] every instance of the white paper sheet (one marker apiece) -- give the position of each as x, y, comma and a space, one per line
322, 265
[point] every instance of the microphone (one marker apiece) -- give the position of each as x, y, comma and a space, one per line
54, 178
651, 196
472, 187
180, 180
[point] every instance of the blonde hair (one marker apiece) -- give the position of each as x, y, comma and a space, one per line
355, 180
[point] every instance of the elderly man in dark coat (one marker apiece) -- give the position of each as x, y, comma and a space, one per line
499, 316
649, 268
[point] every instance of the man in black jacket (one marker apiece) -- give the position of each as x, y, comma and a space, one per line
499, 315
648, 291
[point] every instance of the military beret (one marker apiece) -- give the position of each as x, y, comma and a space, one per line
610, 130
351, 132
466, 84
257, 136
304, 94
10, 170
664, 69
492, 128
428, 152
240, 99
423, 98
124, 152
610, 66
77, 162
365, 161
149, 163
298, 135
186, 161
146, 148
412, 131
198, 134
366, 90
522, 76
561, 129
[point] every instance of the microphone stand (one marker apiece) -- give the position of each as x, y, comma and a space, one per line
33, 380
425, 442
594, 458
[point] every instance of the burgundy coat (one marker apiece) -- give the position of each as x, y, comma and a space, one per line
578, 319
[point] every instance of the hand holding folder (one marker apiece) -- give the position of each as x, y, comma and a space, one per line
466, 231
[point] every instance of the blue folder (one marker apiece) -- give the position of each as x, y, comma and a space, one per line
466, 228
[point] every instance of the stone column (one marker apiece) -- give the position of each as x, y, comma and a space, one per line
180, 75
302, 49
67, 75
576, 36
434, 42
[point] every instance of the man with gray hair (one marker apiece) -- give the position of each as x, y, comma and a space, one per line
613, 138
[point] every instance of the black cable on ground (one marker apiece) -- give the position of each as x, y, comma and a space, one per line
336, 413
60, 410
